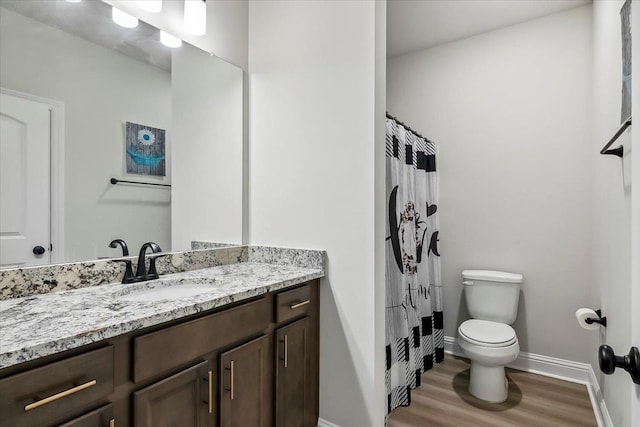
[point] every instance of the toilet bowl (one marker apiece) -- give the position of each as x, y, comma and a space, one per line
490, 346
487, 339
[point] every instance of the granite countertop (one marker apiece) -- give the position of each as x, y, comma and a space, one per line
40, 325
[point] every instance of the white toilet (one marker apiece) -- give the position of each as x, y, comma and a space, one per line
487, 339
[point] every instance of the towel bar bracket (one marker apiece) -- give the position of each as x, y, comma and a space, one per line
618, 151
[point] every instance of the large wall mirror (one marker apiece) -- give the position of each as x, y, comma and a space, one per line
69, 66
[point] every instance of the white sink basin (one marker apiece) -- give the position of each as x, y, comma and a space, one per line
167, 292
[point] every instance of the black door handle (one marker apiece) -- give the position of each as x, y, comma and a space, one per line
630, 362
39, 250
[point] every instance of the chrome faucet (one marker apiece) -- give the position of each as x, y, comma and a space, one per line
141, 273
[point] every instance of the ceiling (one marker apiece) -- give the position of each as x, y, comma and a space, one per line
414, 25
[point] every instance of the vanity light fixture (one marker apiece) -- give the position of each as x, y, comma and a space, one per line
153, 6
123, 19
195, 17
169, 40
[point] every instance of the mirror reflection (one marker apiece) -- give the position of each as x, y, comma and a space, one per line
78, 90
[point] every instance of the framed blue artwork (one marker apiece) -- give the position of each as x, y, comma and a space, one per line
145, 148
625, 20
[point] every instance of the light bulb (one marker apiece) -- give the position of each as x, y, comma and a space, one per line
74, 1
169, 40
195, 17
154, 6
123, 19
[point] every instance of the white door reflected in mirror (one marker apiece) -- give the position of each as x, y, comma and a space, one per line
24, 182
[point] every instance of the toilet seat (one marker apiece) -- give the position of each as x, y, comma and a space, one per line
486, 333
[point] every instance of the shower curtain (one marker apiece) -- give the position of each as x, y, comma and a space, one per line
414, 336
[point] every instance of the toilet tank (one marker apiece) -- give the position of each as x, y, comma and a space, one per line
492, 295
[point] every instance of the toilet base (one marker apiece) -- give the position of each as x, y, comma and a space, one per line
488, 383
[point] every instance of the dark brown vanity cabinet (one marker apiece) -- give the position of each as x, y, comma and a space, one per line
293, 400
183, 399
244, 385
250, 364
296, 357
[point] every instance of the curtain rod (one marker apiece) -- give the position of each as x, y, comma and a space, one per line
408, 128
115, 181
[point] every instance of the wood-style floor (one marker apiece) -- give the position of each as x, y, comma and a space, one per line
534, 400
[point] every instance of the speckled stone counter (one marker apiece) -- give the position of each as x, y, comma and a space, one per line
40, 325
22, 282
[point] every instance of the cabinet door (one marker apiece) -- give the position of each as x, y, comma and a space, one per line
244, 385
294, 376
101, 417
182, 400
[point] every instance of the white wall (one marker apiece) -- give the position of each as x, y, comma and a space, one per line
612, 207
207, 149
635, 215
510, 110
101, 89
380, 208
314, 70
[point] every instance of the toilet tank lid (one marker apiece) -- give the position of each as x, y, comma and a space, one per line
492, 276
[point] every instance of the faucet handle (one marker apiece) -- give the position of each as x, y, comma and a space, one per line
153, 273
128, 271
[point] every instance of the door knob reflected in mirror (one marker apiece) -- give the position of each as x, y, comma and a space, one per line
630, 362
39, 250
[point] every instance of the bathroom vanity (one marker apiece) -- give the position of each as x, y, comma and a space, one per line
238, 347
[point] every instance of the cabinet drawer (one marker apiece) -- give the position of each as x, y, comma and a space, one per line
164, 350
53, 392
293, 303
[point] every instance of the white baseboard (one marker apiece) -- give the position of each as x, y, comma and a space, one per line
325, 423
562, 369
597, 401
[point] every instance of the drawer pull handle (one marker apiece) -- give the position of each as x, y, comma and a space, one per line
231, 380
300, 304
211, 392
60, 395
286, 351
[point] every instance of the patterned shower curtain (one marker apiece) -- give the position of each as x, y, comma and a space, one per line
414, 336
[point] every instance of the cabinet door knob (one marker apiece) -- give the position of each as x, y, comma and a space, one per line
39, 250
